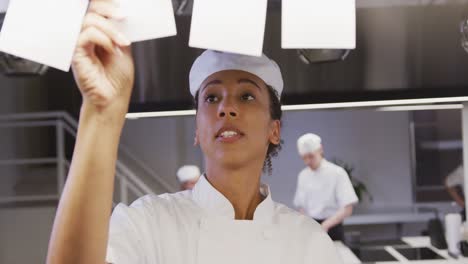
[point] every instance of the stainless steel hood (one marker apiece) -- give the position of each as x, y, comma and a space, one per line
403, 51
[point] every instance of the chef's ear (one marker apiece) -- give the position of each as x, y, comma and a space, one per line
275, 132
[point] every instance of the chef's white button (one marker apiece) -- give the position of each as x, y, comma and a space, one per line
267, 234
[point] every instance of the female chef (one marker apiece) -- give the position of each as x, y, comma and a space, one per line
229, 216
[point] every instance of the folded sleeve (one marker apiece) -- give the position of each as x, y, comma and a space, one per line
124, 244
345, 193
134, 232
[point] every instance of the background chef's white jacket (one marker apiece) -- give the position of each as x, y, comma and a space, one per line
198, 226
456, 178
322, 192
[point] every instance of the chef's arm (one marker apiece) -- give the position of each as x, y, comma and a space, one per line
338, 217
453, 192
82, 222
104, 73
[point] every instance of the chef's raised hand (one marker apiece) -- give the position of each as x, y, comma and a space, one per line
102, 64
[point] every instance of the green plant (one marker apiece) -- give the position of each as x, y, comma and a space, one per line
359, 187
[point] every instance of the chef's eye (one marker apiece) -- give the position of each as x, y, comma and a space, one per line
211, 98
247, 97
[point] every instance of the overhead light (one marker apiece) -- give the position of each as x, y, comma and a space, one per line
442, 144
420, 107
313, 56
375, 103
422, 103
160, 114
397, 3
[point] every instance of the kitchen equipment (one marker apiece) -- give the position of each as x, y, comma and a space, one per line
383, 242
453, 233
313, 56
422, 253
435, 229
464, 248
373, 254
436, 233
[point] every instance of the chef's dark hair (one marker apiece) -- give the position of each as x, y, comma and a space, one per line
275, 113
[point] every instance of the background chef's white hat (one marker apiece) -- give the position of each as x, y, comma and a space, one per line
187, 173
211, 61
308, 143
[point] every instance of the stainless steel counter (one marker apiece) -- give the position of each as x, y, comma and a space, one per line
398, 254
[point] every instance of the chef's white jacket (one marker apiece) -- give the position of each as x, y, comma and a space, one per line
322, 192
198, 226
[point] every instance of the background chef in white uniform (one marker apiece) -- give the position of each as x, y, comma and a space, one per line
324, 190
229, 217
455, 183
188, 176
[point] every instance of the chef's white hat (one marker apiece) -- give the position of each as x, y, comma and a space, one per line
187, 173
210, 62
308, 143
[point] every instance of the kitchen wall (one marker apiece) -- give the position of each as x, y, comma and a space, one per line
25, 234
27, 94
19, 95
24, 231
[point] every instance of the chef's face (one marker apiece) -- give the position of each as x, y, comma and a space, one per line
313, 159
234, 125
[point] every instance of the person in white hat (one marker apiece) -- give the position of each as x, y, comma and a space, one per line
324, 190
188, 176
229, 216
